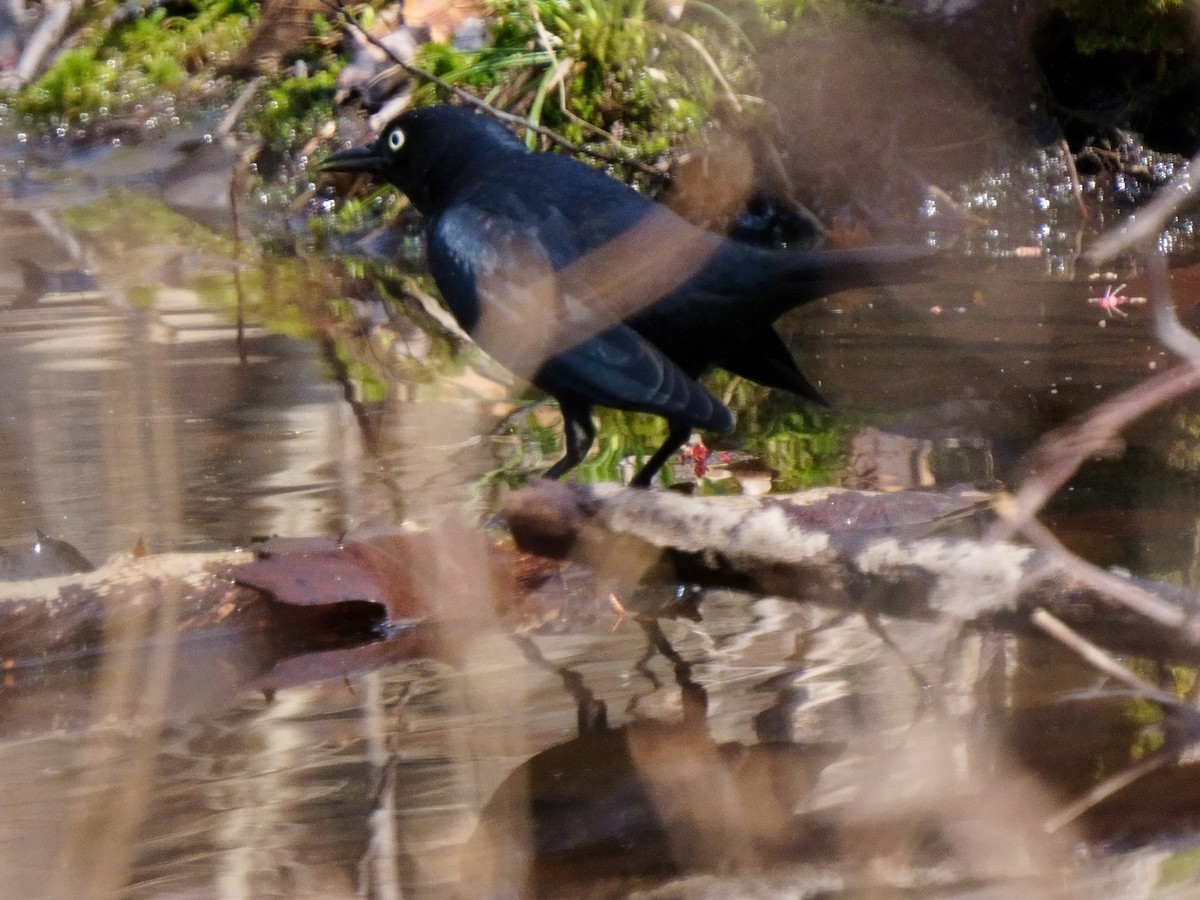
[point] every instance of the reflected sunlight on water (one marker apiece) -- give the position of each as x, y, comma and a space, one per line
124, 422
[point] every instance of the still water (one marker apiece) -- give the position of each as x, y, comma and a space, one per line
166, 384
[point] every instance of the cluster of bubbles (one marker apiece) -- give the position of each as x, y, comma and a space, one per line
1029, 209
1053, 206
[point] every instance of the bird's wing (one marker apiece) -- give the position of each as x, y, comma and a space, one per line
619, 369
604, 239
499, 274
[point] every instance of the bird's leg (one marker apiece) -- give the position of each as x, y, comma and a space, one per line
580, 432
676, 438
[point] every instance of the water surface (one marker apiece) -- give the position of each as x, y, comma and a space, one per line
164, 383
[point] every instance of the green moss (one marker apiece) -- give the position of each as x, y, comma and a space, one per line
1147, 26
132, 223
132, 219
1184, 450
116, 67
599, 64
289, 111
804, 443
595, 68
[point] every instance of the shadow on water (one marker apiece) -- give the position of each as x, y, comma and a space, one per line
756, 745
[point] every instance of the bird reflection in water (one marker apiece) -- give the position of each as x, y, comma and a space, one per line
644, 801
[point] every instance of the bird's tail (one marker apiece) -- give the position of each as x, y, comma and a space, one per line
777, 281
794, 278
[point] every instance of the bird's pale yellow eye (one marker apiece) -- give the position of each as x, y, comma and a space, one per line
395, 139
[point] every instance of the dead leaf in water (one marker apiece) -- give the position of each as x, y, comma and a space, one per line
452, 571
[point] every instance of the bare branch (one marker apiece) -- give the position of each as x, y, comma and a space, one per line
1058, 455
45, 38
1107, 788
1104, 663
1143, 227
1126, 593
1167, 326
1100, 659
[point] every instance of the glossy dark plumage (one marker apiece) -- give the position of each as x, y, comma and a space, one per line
595, 293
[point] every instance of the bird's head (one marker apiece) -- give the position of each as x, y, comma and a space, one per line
428, 152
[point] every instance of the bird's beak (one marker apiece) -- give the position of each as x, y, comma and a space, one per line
357, 159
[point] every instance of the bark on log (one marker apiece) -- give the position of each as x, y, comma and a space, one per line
907, 555
856, 551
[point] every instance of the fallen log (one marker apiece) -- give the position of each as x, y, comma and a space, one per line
298, 596
907, 555
71, 614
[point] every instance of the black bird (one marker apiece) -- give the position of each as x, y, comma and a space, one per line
595, 293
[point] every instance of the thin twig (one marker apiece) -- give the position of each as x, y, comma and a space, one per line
1059, 454
1107, 788
236, 177
236, 185
545, 39
49, 32
1101, 660
1107, 665
339, 8
1167, 326
713, 68
925, 688
1145, 226
230, 119
1126, 593
1073, 174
